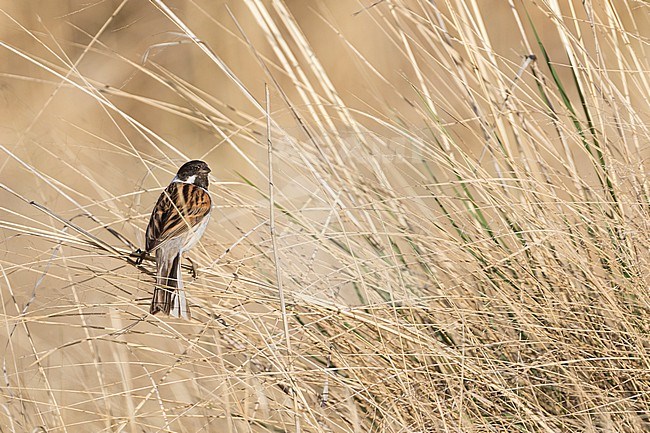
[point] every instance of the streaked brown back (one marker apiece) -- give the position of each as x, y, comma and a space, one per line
171, 216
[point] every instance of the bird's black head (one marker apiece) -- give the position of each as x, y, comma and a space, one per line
195, 172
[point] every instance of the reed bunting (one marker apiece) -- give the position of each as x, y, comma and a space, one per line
177, 223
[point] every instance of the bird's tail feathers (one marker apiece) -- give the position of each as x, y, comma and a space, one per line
168, 295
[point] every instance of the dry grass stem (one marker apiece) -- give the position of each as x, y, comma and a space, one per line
456, 193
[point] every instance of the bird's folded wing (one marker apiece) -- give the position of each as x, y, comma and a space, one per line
180, 207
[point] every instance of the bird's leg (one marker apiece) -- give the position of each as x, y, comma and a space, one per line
195, 269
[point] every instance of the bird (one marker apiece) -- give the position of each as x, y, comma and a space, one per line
177, 222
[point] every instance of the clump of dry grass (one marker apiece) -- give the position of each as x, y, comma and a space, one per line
460, 203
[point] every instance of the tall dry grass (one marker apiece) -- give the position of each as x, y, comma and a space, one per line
460, 216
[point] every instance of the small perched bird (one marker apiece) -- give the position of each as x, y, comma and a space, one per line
177, 223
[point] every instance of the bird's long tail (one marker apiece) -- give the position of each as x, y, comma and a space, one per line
168, 295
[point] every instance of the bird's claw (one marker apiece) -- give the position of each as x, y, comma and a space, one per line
195, 269
139, 256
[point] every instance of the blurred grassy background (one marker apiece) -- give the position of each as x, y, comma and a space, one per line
463, 228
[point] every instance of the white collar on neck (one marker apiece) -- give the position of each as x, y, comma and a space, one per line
190, 179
